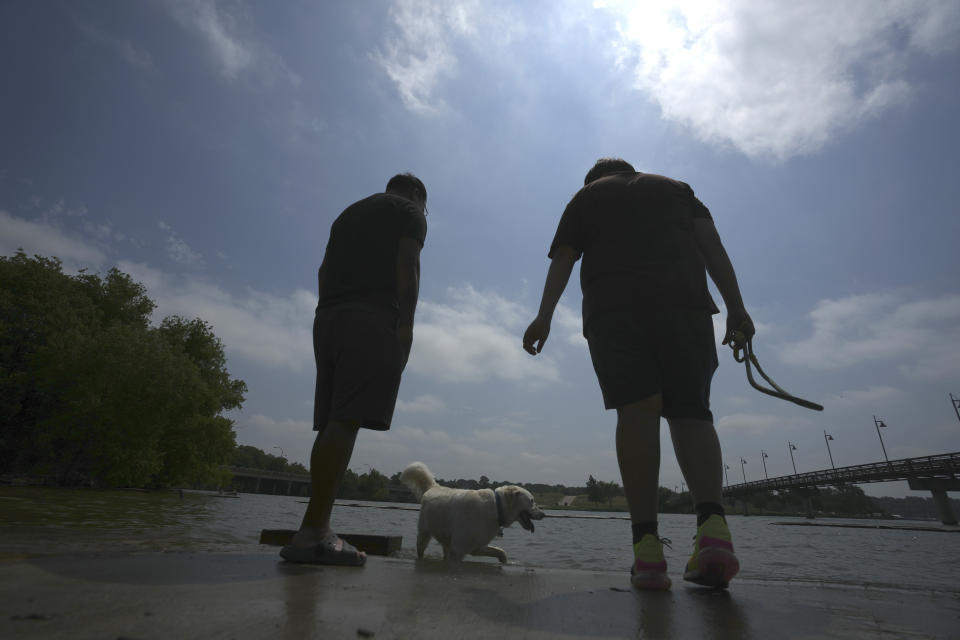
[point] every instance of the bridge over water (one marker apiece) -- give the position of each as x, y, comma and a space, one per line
937, 474
284, 483
247, 480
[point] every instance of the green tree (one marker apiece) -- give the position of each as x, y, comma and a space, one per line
373, 485
594, 490
608, 490
348, 486
38, 305
846, 499
89, 391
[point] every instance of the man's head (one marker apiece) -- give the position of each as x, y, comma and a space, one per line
407, 185
606, 167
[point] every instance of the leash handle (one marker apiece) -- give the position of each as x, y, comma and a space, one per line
739, 343
743, 352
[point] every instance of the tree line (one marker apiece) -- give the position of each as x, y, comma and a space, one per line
847, 500
92, 394
254, 458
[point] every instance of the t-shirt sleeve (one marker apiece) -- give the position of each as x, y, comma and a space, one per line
415, 224
697, 208
570, 230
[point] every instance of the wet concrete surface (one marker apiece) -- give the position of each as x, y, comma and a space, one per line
219, 595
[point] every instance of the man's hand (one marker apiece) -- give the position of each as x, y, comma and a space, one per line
738, 320
537, 333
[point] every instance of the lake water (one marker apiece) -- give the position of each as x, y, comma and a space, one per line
38, 521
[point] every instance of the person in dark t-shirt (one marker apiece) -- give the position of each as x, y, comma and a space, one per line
647, 244
368, 286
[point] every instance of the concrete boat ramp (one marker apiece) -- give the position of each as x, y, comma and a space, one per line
255, 595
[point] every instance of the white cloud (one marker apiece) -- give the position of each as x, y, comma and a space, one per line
419, 52
425, 403
484, 453
46, 240
473, 337
291, 439
178, 250
756, 424
102, 231
865, 398
58, 209
571, 323
181, 253
271, 330
499, 436
923, 336
126, 50
232, 54
445, 455
229, 38
272, 425
776, 79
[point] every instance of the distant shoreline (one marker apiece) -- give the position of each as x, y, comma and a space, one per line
618, 505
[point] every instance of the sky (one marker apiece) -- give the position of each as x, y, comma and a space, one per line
206, 147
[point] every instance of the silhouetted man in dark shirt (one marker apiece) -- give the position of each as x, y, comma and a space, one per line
362, 333
647, 243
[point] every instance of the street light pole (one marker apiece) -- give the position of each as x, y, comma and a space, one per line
742, 470
793, 448
725, 474
763, 458
282, 454
956, 405
878, 424
827, 438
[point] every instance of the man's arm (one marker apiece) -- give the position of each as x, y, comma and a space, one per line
721, 272
408, 288
557, 276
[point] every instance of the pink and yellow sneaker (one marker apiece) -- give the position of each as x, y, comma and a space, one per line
713, 563
649, 569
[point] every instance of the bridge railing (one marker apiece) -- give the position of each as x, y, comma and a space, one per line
945, 465
272, 475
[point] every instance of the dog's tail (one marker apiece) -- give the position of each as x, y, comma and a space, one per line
418, 478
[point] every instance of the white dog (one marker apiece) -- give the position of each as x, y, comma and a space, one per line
464, 521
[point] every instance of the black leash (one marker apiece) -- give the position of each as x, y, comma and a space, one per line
739, 344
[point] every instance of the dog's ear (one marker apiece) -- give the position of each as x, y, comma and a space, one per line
517, 498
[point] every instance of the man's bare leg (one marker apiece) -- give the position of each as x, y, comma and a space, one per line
329, 458
697, 448
638, 452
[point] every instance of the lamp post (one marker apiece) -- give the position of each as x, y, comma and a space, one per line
793, 448
683, 487
878, 424
763, 458
282, 454
827, 438
956, 405
725, 474
742, 470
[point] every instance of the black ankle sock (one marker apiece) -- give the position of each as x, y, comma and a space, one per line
707, 509
641, 529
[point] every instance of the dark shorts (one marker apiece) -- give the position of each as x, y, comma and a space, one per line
671, 352
359, 363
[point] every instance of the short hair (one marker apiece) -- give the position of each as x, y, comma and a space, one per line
605, 167
407, 182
